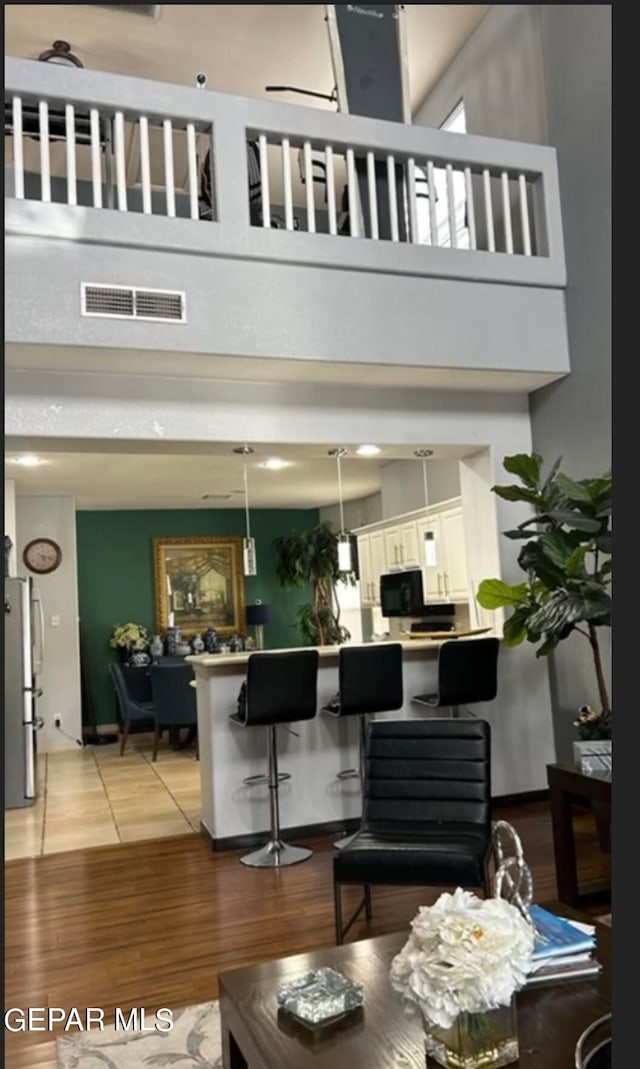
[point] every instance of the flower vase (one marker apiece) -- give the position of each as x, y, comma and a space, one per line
124, 653
475, 1040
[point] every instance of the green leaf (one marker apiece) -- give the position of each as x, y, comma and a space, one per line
558, 545
526, 467
515, 629
516, 493
532, 558
548, 646
573, 490
575, 520
494, 594
568, 607
517, 534
604, 543
551, 476
575, 563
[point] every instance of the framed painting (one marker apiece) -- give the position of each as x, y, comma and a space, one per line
199, 583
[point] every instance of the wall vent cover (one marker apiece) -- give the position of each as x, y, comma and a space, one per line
133, 302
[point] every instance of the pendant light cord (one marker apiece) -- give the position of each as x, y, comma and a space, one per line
424, 478
246, 500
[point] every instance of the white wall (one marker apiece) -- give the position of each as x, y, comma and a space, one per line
55, 517
10, 520
403, 485
357, 513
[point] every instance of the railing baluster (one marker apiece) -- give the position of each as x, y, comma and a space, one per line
524, 215
286, 178
121, 176
145, 164
411, 197
70, 134
192, 163
264, 181
331, 190
96, 165
488, 207
373, 196
393, 198
45, 160
433, 215
308, 178
506, 210
352, 193
451, 205
471, 211
18, 153
169, 177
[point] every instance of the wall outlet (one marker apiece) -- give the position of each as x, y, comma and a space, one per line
57, 721
55, 621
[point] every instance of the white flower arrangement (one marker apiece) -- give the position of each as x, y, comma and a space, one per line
464, 955
131, 636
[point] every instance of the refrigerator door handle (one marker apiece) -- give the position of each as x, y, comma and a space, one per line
39, 635
30, 762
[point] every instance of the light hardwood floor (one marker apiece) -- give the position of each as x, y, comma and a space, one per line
152, 923
94, 797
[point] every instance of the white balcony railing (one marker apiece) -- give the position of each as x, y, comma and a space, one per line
124, 161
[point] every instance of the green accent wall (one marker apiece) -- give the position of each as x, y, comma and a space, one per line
115, 576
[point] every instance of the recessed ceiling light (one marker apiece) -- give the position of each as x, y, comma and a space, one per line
28, 461
368, 450
274, 463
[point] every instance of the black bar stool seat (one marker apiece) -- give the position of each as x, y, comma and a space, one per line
370, 681
467, 673
281, 689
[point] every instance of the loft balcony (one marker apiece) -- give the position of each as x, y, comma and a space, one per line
269, 240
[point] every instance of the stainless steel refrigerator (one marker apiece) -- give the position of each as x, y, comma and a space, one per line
23, 660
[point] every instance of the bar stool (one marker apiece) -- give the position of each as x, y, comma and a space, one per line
281, 689
467, 673
370, 681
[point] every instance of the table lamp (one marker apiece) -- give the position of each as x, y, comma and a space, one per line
257, 616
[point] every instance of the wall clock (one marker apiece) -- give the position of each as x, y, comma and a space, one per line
42, 556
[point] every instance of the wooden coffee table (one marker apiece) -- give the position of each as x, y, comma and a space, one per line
567, 783
256, 1036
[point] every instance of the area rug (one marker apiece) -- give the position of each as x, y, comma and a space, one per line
194, 1040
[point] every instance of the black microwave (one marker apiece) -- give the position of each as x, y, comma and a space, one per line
401, 594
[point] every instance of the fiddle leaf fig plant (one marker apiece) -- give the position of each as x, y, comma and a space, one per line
566, 558
311, 557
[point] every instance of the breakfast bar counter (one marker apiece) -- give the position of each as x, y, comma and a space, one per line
314, 799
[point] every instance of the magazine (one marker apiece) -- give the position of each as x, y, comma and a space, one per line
557, 937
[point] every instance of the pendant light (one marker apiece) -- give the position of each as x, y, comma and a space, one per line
248, 543
345, 558
429, 538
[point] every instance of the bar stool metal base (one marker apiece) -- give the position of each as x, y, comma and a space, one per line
276, 855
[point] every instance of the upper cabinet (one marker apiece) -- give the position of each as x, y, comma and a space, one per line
432, 540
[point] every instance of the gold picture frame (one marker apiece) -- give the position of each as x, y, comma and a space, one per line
199, 583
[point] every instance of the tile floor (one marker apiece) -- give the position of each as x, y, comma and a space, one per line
92, 797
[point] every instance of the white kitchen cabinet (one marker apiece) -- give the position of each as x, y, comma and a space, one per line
401, 544
444, 564
456, 583
372, 564
392, 549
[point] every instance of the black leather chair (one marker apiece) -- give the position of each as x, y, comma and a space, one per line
174, 699
135, 701
370, 681
467, 673
281, 688
426, 820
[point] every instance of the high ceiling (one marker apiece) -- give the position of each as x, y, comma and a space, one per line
240, 47
121, 475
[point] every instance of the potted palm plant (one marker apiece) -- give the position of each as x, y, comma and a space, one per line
566, 558
311, 558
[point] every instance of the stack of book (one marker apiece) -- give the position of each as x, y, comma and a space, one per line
563, 949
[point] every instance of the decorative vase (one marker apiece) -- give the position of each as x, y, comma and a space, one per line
593, 755
173, 637
475, 1040
198, 644
156, 648
211, 640
139, 659
183, 648
124, 654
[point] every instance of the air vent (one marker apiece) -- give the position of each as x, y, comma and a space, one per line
150, 10
129, 302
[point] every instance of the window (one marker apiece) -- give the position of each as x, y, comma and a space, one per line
455, 123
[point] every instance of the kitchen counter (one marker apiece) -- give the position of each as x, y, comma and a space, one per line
314, 799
